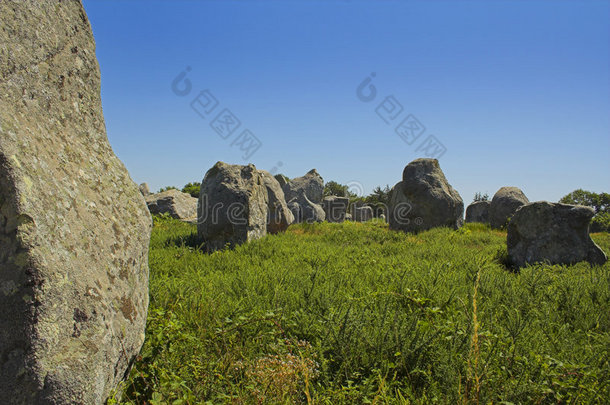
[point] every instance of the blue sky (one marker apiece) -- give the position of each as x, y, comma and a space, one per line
516, 92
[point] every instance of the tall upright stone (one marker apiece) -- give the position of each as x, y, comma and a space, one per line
233, 206
311, 184
424, 199
74, 228
304, 197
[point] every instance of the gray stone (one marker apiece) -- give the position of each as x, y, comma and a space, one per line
362, 214
306, 192
282, 180
174, 202
382, 217
504, 204
424, 199
335, 208
552, 233
478, 211
312, 185
74, 228
144, 189
304, 210
232, 206
279, 217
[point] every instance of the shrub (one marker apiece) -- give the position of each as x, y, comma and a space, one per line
192, 189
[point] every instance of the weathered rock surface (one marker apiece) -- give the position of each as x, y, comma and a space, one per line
478, 211
144, 189
304, 210
363, 214
312, 185
424, 199
232, 206
174, 202
306, 192
282, 180
552, 233
74, 228
279, 217
335, 208
504, 204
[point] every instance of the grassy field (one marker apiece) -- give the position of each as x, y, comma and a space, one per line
355, 313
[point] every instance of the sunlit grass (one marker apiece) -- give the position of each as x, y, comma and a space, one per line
355, 313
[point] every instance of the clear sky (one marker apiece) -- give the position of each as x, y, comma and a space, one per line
517, 93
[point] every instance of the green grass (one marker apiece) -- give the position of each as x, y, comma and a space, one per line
355, 313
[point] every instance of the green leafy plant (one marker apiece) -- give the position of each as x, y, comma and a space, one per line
192, 189
356, 313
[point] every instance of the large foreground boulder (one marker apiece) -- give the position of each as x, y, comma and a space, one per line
504, 204
335, 208
74, 228
175, 203
232, 206
478, 211
424, 199
279, 217
552, 233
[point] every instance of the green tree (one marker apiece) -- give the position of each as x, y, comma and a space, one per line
334, 188
599, 202
192, 189
379, 199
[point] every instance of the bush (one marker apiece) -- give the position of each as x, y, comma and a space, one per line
600, 222
192, 189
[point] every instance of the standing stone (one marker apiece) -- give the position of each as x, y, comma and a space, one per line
306, 192
306, 211
424, 199
174, 202
74, 228
478, 211
144, 189
552, 233
232, 206
335, 208
363, 214
311, 184
504, 204
279, 217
